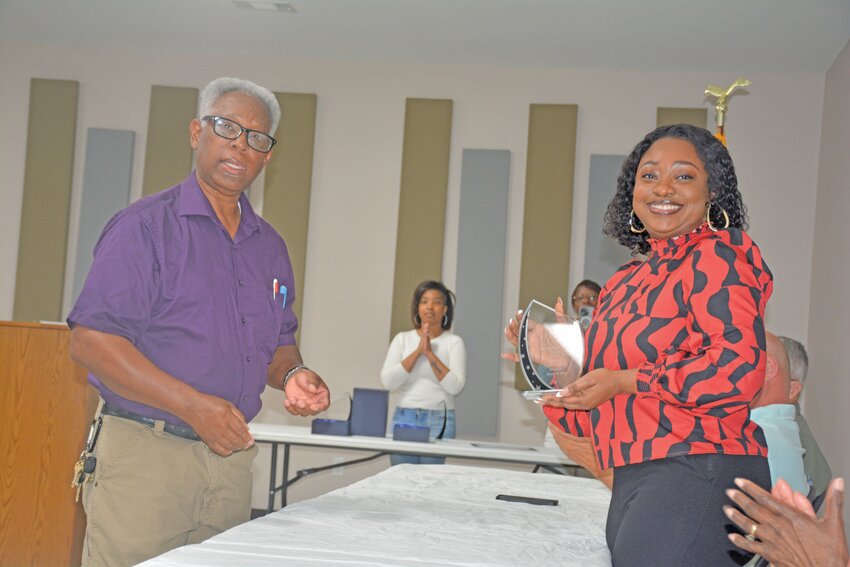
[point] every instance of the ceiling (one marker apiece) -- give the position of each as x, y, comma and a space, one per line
737, 35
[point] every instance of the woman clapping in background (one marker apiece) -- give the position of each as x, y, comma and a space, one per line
427, 365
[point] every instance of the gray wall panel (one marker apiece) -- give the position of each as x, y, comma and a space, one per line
106, 190
482, 236
603, 255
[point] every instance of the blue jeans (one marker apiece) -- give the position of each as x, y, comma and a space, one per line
423, 418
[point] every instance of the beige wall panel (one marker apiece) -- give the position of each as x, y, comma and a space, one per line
289, 177
694, 116
547, 218
422, 202
168, 155
48, 173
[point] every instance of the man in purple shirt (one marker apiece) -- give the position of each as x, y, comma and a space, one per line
185, 316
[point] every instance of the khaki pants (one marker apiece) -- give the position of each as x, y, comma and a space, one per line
153, 491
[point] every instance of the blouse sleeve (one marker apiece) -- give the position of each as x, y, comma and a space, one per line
454, 381
720, 365
393, 373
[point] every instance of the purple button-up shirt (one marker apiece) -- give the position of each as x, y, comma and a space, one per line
201, 306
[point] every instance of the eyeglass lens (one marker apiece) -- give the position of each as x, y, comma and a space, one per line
231, 130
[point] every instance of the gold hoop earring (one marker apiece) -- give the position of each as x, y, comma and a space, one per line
708, 217
632, 224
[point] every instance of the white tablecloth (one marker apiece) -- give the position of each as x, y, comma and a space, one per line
426, 515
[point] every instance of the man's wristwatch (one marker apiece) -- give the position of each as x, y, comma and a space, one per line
290, 373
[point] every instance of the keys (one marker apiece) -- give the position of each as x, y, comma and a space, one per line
88, 467
79, 477
83, 473
85, 465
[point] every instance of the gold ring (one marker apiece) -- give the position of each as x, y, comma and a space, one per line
752, 535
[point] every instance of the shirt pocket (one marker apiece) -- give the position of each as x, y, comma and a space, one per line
266, 315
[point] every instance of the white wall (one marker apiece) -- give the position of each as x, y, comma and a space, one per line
827, 391
774, 135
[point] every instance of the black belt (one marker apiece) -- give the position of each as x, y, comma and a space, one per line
179, 431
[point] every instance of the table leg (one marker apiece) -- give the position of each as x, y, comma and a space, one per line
273, 478
285, 482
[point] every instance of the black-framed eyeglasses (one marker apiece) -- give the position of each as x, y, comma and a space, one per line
227, 128
590, 298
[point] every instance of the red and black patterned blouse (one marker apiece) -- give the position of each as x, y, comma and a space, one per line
690, 318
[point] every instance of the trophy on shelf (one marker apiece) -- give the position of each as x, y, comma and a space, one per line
720, 105
551, 350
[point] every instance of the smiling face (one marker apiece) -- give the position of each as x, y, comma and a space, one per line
228, 167
671, 189
432, 307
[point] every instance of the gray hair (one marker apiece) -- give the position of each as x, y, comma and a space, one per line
223, 85
797, 358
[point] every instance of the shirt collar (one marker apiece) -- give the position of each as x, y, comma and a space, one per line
194, 202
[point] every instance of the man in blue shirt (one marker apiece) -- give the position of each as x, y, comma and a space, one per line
773, 410
816, 465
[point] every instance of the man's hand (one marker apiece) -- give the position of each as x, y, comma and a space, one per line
580, 451
129, 373
784, 534
306, 393
219, 424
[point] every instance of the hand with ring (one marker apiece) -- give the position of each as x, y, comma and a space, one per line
782, 527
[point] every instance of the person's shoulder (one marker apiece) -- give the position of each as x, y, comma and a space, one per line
630, 265
452, 339
734, 248
730, 244
403, 335
730, 237
773, 412
270, 232
148, 207
622, 272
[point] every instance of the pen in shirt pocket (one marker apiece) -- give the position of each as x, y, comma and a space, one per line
279, 289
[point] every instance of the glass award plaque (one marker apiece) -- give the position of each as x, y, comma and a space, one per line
551, 349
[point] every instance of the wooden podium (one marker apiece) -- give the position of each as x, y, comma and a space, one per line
46, 406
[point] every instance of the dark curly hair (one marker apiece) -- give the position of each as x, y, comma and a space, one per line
447, 294
722, 184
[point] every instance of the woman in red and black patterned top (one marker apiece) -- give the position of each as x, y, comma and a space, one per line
674, 355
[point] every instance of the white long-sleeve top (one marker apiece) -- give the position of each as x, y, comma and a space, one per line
420, 388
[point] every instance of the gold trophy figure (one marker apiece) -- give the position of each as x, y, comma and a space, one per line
720, 104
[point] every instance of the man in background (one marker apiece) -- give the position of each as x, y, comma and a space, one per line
185, 317
815, 464
774, 412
